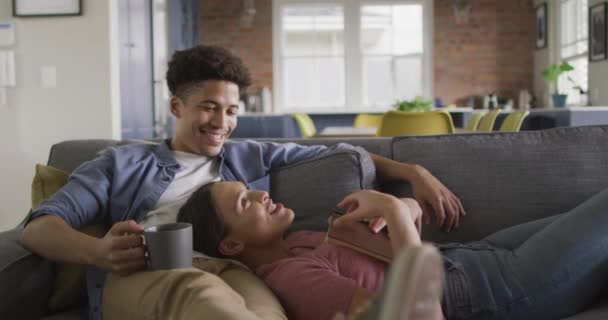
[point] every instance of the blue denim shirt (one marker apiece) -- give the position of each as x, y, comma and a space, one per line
126, 182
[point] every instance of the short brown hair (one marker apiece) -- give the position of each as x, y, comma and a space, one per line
190, 67
208, 227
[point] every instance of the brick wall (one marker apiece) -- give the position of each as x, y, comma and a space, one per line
492, 52
221, 26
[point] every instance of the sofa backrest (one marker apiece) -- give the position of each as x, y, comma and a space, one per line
509, 178
309, 187
502, 178
68, 155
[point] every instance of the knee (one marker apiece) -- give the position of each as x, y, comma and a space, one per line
197, 286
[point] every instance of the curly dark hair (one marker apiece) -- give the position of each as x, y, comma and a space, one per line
189, 67
208, 227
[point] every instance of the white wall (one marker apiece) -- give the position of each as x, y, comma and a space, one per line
598, 77
83, 105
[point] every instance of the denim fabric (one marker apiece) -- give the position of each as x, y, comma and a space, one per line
544, 269
124, 182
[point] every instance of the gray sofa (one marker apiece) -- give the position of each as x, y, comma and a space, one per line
501, 178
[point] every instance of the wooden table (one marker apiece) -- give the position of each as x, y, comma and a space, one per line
346, 131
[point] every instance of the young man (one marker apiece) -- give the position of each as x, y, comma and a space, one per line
134, 186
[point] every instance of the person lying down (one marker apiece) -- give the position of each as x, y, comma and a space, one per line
510, 274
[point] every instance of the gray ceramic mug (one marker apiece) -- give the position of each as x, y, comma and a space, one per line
169, 246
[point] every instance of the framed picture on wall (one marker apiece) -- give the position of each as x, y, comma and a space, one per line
597, 32
46, 8
541, 26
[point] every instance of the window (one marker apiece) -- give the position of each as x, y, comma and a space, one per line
350, 56
573, 47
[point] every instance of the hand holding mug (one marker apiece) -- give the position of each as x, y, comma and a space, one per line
121, 251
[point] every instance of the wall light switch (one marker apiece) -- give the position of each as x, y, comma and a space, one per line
7, 34
48, 76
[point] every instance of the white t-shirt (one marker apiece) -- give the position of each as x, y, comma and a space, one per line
195, 171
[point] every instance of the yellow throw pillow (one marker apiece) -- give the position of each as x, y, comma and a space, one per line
69, 284
46, 182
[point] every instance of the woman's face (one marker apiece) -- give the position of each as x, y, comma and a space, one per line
250, 215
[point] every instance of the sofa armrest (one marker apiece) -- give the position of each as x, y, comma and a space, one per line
25, 279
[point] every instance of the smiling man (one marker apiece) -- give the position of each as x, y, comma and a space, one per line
134, 186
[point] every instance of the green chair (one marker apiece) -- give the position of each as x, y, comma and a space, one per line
512, 122
367, 120
307, 126
398, 123
473, 121
486, 124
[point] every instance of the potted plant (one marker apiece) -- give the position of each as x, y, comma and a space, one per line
552, 75
419, 104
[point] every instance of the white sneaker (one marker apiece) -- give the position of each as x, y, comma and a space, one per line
412, 288
414, 285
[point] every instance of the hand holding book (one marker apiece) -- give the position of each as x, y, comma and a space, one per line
365, 205
358, 237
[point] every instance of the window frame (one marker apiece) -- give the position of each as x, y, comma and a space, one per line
560, 46
353, 58
561, 28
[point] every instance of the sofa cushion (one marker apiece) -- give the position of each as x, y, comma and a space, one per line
311, 188
70, 154
259, 299
379, 146
505, 179
224, 289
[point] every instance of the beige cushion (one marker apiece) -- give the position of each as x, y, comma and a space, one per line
258, 297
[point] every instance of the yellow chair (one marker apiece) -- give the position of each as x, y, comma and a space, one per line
486, 124
307, 126
367, 121
473, 121
398, 123
512, 122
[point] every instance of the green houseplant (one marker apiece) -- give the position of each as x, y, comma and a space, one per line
419, 104
552, 75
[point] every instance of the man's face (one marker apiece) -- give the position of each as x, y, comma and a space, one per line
205, 117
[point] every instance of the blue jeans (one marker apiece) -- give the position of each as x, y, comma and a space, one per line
544, 269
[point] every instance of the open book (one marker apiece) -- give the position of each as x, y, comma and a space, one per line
359, 237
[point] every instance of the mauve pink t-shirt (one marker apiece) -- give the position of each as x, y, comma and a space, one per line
321, 280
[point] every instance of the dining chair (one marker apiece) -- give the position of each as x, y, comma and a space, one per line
473, 121
486, 123
398, 123
512, 122
307, 126
365, 120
